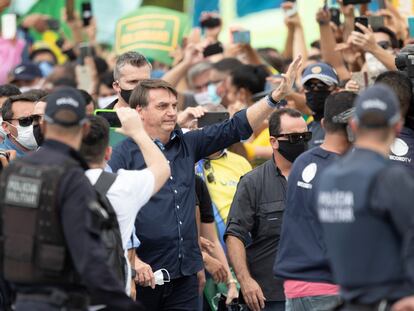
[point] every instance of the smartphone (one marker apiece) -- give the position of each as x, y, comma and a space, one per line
241, 37
376, 21
213, 49
210, 118
362, 20
85, 50
53, 24
211, 22
110, 115
69, 10
335, 16
411, 26
8, 26
86, 11
347, 2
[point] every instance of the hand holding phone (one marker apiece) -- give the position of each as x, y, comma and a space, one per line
363, 20
86, 11
348, 2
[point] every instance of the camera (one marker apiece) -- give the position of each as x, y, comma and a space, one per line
405, 62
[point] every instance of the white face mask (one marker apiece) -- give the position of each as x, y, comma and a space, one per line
25, 137
105, 101
3, 134
159, 277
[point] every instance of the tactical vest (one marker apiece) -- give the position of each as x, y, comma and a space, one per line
32, 244
111, 235
363, 246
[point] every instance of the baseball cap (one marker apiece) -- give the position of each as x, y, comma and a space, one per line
26, 72
322, 72
379, 101
66, 99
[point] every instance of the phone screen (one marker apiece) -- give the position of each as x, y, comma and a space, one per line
110, 116
210, 118
241, 37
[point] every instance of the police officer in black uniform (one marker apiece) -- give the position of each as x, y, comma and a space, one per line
51, 221
365, 205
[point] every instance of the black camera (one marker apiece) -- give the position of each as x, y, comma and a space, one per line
405, 62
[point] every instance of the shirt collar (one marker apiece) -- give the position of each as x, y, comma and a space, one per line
65, 149
173, 135
9, 145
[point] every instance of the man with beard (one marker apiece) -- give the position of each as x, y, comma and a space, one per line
319, 80
255, 217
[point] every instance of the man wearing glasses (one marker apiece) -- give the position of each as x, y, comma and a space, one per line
17, 113
319, 80
301, 258
255, 218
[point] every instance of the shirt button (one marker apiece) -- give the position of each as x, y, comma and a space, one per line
171, 178
168, 161
175, 191
179, 255
178, 206
181, 222
182, 239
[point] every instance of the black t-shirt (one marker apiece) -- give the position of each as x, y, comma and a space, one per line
204, 201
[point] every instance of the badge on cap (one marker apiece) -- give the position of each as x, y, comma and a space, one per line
316, 69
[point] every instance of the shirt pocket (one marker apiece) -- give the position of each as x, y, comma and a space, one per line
270, 218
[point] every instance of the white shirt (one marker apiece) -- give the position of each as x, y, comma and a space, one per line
128, 194
130, 191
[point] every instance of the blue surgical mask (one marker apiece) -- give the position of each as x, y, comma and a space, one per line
212, 92
46, 68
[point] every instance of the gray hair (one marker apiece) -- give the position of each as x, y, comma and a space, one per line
129, 58
197, 70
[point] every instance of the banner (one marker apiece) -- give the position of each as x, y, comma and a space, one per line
152, 31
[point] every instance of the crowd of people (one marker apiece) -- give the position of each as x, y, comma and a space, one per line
244, 179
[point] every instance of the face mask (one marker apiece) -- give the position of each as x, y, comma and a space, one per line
212, 93
25, 137
202, 98
316, 102
105, 101
157, 74
126, 94
374, 66
291, 151
38, 135
3, 134
159, 277
46, 68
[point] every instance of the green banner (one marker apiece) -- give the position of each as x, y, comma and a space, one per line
152, 31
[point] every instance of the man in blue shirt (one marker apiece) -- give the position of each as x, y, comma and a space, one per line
301, 259
166, 225
17, 113
365, 206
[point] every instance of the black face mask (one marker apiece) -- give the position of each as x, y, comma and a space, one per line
291, 151
126, 94
38, 135
316, 102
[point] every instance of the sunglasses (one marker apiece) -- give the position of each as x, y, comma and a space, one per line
24, 122
318, 86
295, 138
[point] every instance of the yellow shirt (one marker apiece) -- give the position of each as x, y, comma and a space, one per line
227, 171
261, 140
